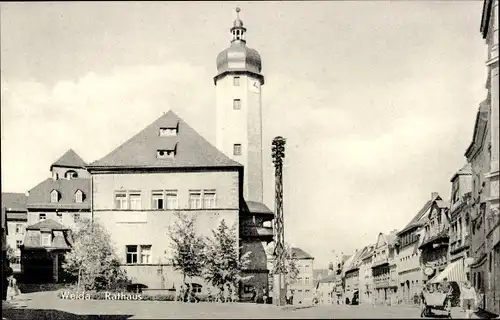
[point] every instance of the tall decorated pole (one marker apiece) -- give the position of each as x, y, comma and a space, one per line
279, 287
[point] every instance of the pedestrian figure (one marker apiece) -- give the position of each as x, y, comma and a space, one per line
234, 293
209, 295
254, 294
178, 293
468, 299
186, 293
193, 297
12, 289
422, 301
226, 293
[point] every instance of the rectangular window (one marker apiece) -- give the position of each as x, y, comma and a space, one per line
236, 81
135, 201
42, 216
172, 202
158, 201
76, 218
19, 228
121, 201
237, 104
19, 243
46, 239
131, 254
146, 254
237, 149
209, 199
195, 199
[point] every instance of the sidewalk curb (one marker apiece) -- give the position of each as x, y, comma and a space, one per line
293, 308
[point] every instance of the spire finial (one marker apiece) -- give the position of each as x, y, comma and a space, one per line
238, 12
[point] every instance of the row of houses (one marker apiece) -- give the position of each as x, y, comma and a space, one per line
456, 239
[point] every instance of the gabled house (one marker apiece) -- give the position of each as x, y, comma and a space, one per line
366, 276
384, 268
351, 276
325, 289
42, 253
167, 168
434, 246
410, 272
302, 289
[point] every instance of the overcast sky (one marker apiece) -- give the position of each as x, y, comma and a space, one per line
377, 100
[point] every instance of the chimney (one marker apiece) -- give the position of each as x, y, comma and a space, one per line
27, 193
434, 195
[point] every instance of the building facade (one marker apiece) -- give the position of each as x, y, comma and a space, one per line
15, 208
410, 272
489, 31
366, 276
383, 270
460, 206
435, 242
54, 207
478, 155
303, 288
137, 189
325, 289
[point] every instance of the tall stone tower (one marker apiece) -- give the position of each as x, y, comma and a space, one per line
239, 108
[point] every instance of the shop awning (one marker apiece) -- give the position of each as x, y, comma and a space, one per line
455, 271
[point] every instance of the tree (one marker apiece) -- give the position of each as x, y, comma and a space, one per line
188, 248
11, 254
291, 263
222, 264
92, 259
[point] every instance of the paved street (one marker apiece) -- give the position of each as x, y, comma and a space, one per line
46, 306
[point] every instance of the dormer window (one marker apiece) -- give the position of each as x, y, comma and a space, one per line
168, 132
78, 196
54, 196
166, 153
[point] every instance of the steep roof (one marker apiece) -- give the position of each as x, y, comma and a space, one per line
368, 252
39, 196
70, 160
140, 151
301, 254
417, 219
47, 225
14, 201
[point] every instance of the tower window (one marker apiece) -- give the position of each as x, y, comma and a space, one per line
236, 104
236, 81
78, 196
237, 149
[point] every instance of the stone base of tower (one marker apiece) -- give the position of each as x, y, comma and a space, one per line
258, 280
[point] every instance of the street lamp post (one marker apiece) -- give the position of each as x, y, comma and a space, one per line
279, 272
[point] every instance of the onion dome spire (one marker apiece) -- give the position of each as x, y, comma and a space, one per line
238, 30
